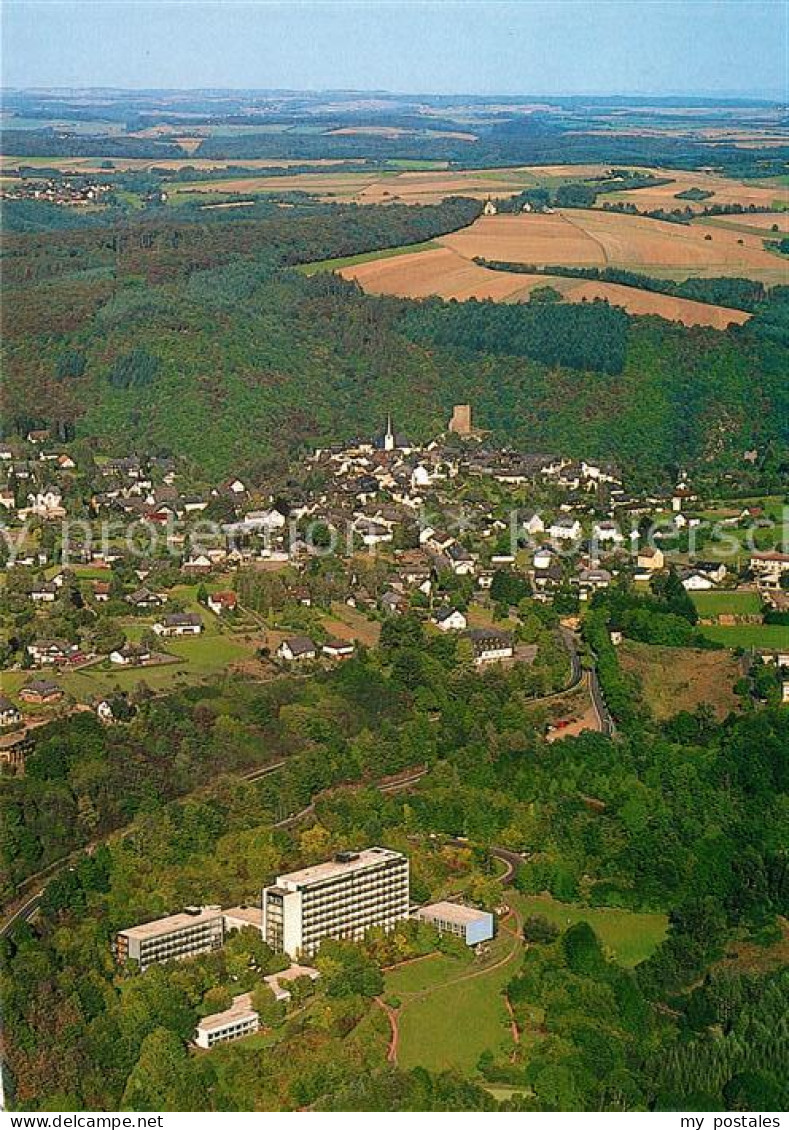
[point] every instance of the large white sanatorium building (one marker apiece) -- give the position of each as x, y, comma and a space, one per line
196, 930
342, 898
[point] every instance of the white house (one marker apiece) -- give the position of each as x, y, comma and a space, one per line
450, 620
532, 523
220, 602
46, 502
179, 624
338, 649
9, 713
462, 562
590, 580
372, 533
51, 652
489, 645
768, 568
297, 648
694, 581
543, 559
565, 529
263, 520
239, 1020
199, 563
607, 532
44, 592
130, 655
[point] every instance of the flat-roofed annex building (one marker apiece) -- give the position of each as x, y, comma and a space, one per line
472, 925
342, 898
239, 1020
196, 930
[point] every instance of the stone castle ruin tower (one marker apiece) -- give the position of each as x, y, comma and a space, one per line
460, 423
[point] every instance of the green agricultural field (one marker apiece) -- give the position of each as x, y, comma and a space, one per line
405, 164
630, 936
365, 257
727, 603
749, 635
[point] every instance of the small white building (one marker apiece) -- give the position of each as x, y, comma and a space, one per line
450, 620
297, 648
9, 712
221, 602
543, 558
697, 582
466, 922
130, 655
489, 645
44, 592
179, 624
532, 523
565, 529
607, 532
277, 981
338, 649
235, 1022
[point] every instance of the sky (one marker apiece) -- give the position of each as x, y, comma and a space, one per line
409, 46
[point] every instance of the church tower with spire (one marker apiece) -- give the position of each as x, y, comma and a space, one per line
389, 436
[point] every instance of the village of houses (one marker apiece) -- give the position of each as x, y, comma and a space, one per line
194, 580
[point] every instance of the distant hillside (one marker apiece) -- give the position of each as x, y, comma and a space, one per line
197, 341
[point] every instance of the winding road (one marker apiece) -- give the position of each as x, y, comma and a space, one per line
31, 892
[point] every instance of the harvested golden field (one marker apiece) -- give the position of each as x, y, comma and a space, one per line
678, 678
760, 222
535, 238
446, 274
432, 187
725, 190
584, 237
439, 272
335, 186
637, 301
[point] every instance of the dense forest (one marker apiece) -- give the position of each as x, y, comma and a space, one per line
251, 361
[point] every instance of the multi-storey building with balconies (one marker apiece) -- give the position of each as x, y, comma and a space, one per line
196, 930
342, 898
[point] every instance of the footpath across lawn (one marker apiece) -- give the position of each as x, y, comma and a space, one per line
449, 1025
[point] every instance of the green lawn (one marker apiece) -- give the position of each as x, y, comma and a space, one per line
631, 937
365, 257
727, 603
749, 635
425, 973
197, 657
451, 1026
